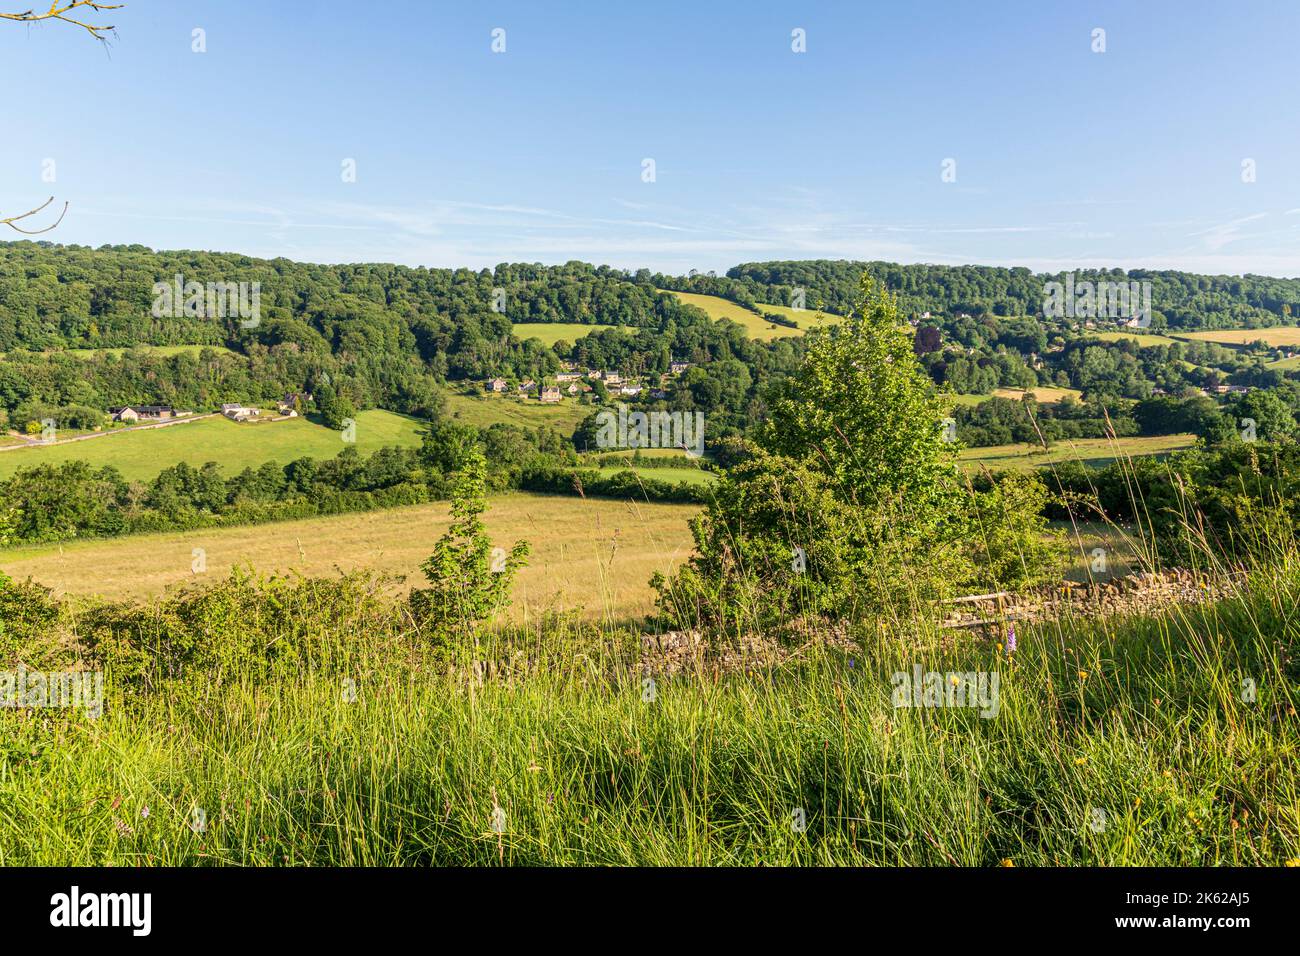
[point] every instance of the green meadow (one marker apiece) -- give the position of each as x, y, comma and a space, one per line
551, 332
483, 409
140, 454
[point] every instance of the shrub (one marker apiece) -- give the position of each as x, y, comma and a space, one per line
469, 580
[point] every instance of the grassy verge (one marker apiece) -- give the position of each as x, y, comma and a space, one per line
311, 727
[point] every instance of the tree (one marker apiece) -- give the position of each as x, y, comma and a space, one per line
448, 447
469, 579
1271, 416
853, 498
861, 410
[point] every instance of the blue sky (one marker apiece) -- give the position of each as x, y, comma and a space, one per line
1065, 158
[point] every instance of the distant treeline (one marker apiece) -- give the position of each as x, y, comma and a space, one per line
1001, 421
1181, 300
369, 335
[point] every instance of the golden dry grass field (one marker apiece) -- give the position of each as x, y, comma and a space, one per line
1043, 394
1277, 336
596, 555
1093, 451
1143, 339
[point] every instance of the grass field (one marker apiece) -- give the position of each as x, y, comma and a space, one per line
317, 729
644, 453
806, 318
1044, 394
755, 326
594, 553
552, 332
1285, 365
158, 349
1143, 339
1277, 336
482, 409
695, 476
140, 455
1094, 451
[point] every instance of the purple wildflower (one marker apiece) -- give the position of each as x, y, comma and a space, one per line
1011, 639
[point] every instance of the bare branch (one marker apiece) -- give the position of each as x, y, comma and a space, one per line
11, 220
61, 10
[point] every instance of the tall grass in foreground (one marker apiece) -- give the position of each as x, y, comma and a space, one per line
1117, 741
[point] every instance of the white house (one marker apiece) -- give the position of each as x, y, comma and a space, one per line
239, 413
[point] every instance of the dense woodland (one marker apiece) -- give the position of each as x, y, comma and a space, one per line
1183, 300
376, 335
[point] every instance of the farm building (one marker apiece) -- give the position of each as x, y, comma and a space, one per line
136, 413
239, 413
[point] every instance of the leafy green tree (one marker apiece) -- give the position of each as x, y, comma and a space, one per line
853, 498
1271, 415
448, 447
469, 579
861, 410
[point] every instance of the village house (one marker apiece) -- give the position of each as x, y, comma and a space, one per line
611, 378
496, 385
292, 401
567, 376
550, 394
574, 388
239, 413
630, 390
135, 413
676, 368
528, 386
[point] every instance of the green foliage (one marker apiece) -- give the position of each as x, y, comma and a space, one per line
854, 499
860, 410
1011, 544
469, 579
448, 447
315, 730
